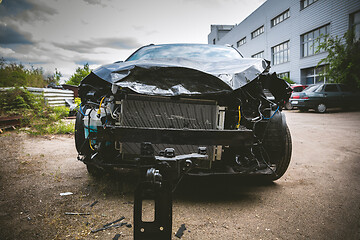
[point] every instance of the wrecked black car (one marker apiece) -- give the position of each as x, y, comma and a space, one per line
197, 109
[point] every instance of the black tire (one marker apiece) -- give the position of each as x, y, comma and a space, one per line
95, 171
284, 161
321, 108
81, 144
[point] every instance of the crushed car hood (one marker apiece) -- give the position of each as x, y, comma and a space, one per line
179, 76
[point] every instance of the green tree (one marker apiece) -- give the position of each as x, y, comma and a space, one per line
79, 74
15, 74
343, 59
55, 78
288, 80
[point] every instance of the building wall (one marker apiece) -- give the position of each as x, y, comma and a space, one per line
322, 12
218, 32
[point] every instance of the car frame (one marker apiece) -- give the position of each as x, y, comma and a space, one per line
172, 110
243, 132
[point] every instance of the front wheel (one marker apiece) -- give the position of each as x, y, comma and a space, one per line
284, 161
321, 108
95, 171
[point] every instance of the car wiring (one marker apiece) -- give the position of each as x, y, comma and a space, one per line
91, 145
273, 114
238, 124
81, 111
262, 149
99, 111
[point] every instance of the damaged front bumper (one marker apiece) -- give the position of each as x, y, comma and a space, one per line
240, 137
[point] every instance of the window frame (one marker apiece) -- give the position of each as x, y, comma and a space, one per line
280, 53
355, 25
259, 53
311, 37
316, 74
257, 32
308, 3
239, 43
273, 22
284, 74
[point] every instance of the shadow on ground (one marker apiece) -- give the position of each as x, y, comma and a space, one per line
220, 188
190, 189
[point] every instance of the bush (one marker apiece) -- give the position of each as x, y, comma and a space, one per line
16, 74
35, 114
13, 101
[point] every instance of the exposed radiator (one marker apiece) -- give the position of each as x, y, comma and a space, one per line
164, 112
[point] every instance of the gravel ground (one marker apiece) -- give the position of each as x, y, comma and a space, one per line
318, 197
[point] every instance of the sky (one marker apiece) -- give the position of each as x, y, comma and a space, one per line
66, 34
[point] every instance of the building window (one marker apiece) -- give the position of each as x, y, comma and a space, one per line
306, 3
284, 75
258, 55
310, 41
280, 53
280, 18
314, 75
241, 42
355, 24
257, 32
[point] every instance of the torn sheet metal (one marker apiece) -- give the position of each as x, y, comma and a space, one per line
179, 76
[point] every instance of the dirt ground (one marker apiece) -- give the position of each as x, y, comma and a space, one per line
318, 197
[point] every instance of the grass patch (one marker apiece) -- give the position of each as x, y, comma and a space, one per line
36, 116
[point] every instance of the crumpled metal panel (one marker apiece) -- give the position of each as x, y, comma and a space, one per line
179, 76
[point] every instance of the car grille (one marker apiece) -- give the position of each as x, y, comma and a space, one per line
164, 112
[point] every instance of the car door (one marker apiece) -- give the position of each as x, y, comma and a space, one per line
332, 95
348, 95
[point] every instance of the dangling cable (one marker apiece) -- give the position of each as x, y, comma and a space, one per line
273, 114
238, 124
91, 145
99, 111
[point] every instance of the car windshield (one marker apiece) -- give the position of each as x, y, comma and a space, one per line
188, 51
312, 88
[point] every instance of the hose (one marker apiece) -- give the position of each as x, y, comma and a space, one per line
273, 114
238, 124
99, 111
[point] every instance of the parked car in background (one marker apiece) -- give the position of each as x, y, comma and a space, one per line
298, 88
295, 89
320, 97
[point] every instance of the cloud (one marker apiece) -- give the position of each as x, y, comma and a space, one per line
29, 57
25, 10
93, 2
84, 61
138, 27
11, 34
151, 32
88, 46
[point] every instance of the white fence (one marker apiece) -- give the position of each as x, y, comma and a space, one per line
53, 97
